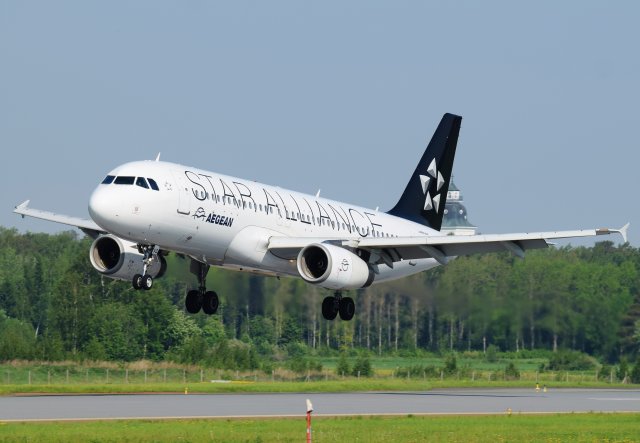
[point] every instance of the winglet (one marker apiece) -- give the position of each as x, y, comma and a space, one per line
21, 208
623, 231
22, 205
158, 157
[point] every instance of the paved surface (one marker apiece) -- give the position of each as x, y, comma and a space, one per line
450, 401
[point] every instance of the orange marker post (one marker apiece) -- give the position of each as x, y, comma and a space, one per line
309, 410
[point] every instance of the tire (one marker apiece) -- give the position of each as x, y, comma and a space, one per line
137, 282
193, 302
210, 303
329, 311
347, 308
147, 282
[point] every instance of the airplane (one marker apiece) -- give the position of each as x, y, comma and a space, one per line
143, 210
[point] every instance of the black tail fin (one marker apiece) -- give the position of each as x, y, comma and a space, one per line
425, 196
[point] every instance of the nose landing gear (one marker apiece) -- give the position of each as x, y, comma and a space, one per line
144, 280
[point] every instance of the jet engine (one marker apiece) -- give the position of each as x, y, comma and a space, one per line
120, 259
333, 267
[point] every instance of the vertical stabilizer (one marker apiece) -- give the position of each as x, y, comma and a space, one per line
424, 198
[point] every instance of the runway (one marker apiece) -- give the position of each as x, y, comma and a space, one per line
445, 401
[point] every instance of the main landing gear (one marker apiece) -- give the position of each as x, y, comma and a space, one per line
332, 306
201, 298
144, 280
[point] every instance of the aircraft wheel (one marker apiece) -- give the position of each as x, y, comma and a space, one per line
329, 308
210, 303
193, 302
347, 308
137, 282
147, 282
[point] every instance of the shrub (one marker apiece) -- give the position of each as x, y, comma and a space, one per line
450, 364
635, 372
604, 373
302, 365
362, 367
571, 361
623, 369
297, 349
343, 365
511, 372
492, 354
418, 371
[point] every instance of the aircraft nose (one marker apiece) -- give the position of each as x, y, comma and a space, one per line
102, 207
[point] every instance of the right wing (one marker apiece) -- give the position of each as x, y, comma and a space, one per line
87, 226
440, 247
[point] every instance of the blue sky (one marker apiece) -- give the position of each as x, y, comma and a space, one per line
341, 96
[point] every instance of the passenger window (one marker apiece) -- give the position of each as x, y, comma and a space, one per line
108, 180
124, 180
153, 184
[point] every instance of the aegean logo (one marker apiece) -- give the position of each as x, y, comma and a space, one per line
200, 213
432, 203
213, 218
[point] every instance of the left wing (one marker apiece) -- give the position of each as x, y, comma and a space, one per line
440, 247
87, 226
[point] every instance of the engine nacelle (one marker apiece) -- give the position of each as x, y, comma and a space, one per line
120, 259
333, 267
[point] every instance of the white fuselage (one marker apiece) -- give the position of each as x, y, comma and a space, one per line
226, 221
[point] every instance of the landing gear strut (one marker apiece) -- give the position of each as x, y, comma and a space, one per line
201, 298
144, 280
332, 306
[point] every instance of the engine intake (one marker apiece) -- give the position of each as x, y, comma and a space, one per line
120, 259
333, 267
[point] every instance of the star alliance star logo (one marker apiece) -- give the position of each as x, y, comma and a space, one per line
432, 203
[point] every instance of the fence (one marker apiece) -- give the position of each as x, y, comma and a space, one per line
56, 375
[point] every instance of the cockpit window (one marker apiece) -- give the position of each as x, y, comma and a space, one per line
140, 181
124, 180
108, 179
153, 184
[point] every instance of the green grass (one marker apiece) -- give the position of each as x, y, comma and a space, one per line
346, 385
550, 428
71, 377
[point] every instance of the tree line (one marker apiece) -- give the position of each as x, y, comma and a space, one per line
55, 306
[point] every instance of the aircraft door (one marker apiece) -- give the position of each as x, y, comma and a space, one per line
184, 195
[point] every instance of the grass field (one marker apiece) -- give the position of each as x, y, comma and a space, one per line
144, 376
548, 428
347, 385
